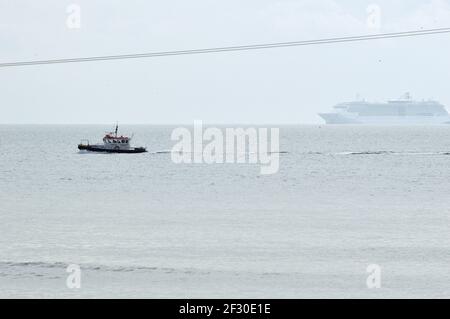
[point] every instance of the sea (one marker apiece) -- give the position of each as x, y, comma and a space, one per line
353, 212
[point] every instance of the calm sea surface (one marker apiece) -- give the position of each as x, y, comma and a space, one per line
139, 225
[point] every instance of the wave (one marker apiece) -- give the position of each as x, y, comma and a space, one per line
378, 153
161, 152
353, 153
383, 152
40, 268
396, 153
180, 152
371, 153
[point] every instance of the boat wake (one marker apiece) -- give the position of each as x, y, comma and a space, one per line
58, 269
362, 153
178, 152
371, 153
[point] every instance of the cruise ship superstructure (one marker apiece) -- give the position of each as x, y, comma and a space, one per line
399, 111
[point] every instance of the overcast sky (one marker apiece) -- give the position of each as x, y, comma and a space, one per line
286, 85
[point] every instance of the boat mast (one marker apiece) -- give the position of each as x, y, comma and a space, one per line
117, 128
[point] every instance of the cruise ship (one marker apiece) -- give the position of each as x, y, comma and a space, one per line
399, 111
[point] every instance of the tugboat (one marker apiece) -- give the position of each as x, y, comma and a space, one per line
112, 143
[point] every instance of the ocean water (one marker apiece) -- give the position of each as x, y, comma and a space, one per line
139, 225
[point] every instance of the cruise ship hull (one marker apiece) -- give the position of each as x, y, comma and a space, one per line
336, 118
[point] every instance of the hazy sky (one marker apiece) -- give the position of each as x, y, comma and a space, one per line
286, 85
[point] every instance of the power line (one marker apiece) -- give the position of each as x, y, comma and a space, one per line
235, 48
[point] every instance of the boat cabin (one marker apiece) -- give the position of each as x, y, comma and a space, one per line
110, 139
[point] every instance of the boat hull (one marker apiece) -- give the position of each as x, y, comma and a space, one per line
93, 148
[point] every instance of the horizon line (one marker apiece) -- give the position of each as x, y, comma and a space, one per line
166, 124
